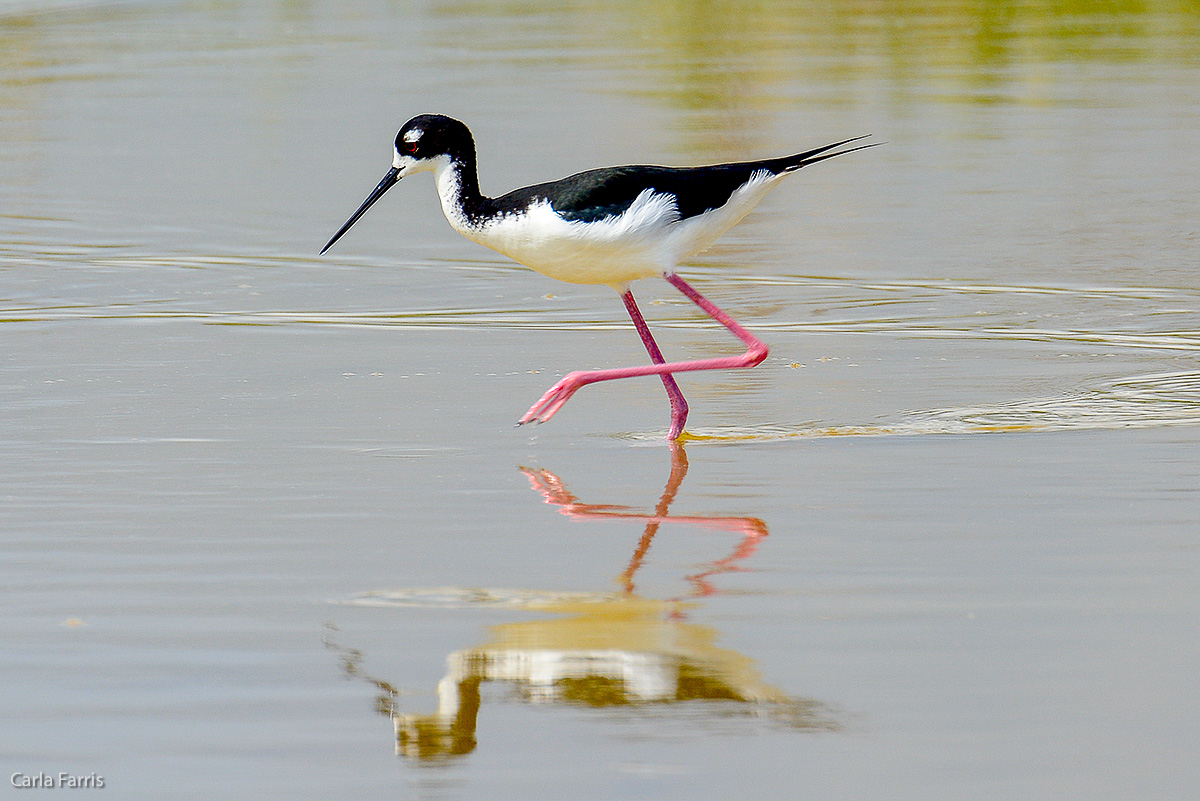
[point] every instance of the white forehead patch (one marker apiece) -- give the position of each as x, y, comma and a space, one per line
413, 135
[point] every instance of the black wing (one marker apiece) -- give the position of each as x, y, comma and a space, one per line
606, 192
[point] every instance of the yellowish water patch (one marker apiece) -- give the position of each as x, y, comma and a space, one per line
1148, 401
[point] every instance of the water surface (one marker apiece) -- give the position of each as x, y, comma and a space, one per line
270, 531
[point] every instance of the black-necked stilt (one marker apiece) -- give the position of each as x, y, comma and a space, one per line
606, 226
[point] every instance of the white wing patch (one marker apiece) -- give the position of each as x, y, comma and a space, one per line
697, 234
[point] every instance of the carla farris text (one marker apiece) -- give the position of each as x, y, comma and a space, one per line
63, 779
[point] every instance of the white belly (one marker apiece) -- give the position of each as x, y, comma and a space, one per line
647, 239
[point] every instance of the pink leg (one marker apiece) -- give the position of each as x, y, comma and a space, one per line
679, 407
561, 392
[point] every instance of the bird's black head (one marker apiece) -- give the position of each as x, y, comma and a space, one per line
426, 138
426, 143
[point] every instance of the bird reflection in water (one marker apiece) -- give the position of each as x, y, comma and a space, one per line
602, 650
751, 529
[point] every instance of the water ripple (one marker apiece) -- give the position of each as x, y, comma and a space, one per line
1110, 316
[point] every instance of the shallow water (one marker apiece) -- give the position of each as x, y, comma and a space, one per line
271, 532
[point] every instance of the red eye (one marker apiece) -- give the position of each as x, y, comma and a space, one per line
409, 148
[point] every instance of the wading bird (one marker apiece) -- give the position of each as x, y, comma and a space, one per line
611, 226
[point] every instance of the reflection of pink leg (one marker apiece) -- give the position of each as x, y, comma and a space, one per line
561, 392
751, 529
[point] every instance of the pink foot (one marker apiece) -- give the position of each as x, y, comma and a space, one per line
554, 398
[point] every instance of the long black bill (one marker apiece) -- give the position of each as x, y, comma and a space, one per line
387, 183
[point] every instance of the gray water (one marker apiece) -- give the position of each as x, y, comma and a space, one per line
269, 529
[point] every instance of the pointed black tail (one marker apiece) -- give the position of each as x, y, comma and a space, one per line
791, 163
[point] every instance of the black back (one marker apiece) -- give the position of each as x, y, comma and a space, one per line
596, 194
